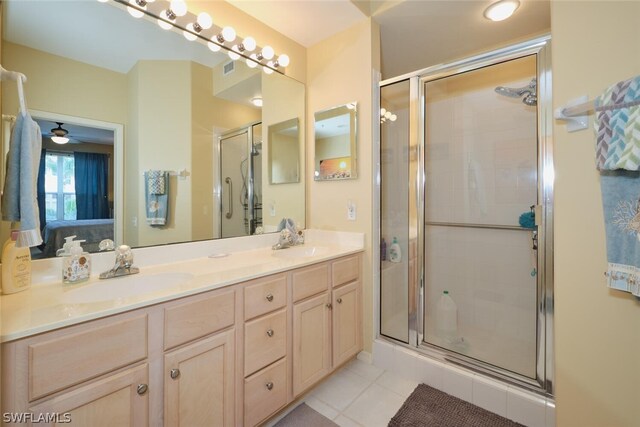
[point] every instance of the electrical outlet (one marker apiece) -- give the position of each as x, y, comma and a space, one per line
351, 210
134, 221
272, 208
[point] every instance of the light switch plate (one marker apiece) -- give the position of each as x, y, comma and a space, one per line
351, 210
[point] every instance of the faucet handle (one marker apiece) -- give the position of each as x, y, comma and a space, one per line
106, 245
124, 255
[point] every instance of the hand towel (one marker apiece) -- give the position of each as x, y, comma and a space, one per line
617, 129
156, 182
19, 198
157, 205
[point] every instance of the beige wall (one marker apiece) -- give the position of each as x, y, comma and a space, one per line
284, 99
60, 85
331, 148
340, 70
597, 330
163, 141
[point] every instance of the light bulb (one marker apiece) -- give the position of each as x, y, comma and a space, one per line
267, 52
257, 101
387, 115
283, 60
60, 139
134, 12
204, 20
382, 111
229, 34
103, 1
213, 47
189, 36
178, 7
393, 118
254, 63
267, 69
249, 44
501, 10
164, 24
233, 53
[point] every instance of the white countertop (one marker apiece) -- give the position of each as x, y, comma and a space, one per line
43, 308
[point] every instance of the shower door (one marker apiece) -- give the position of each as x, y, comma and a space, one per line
481, 164
466, 186
240, 180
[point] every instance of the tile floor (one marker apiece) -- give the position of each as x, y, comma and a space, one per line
359, 395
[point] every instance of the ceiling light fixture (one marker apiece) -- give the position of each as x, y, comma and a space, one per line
387, 115
257, 101
59, 134
200, 27
501, 10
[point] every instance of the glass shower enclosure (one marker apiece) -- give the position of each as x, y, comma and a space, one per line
466, 191
240, 154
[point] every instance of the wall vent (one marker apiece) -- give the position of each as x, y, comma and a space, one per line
228, 68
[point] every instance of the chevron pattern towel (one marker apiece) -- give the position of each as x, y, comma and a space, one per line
617, 126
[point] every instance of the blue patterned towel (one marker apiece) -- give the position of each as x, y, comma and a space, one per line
617, 128
157, 205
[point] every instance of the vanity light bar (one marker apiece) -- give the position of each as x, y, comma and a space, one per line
175, 16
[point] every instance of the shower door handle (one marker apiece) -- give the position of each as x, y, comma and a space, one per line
534, 239
229, 214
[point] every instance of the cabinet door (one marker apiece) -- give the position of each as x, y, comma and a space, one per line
347, 331
120, 399
311, 341
199, 383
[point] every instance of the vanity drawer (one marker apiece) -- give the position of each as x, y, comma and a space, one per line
265, 295
89, 351
265, 341
265, 392
199, 316
310, 281
345, 270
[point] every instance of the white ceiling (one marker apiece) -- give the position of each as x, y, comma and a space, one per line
305, 21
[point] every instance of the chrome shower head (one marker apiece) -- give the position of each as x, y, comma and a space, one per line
528, 91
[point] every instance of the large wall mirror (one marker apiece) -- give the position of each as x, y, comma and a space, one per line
335, 143
143, 107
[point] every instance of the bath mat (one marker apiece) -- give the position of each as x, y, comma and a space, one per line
429, 407
304, 416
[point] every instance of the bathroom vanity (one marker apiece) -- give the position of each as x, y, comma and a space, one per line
220, 350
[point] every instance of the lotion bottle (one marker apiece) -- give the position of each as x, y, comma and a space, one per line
16, 266
395, 255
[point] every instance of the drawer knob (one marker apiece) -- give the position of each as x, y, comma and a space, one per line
269, 386
339, 300
329, 306
269, 297
142, 389
175, 373
270, 332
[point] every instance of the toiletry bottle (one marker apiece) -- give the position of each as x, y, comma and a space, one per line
76, 267
383, 250
447, 318
16, 266
66, 248
395, 255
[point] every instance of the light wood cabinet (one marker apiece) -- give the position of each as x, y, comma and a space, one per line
121, 399
199, 383
226, 357
346, 328
311, 341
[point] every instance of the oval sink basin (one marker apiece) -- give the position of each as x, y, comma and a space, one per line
301, 252
125, 287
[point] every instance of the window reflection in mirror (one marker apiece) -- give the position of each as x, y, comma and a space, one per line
173, 98
284, 152
335, 143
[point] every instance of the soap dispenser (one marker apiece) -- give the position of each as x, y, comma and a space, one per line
76, 266
395, 254
66, 248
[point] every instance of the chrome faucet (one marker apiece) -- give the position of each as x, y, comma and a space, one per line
124, 264
289, 235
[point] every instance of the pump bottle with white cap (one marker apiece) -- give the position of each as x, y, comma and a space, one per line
76, 266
